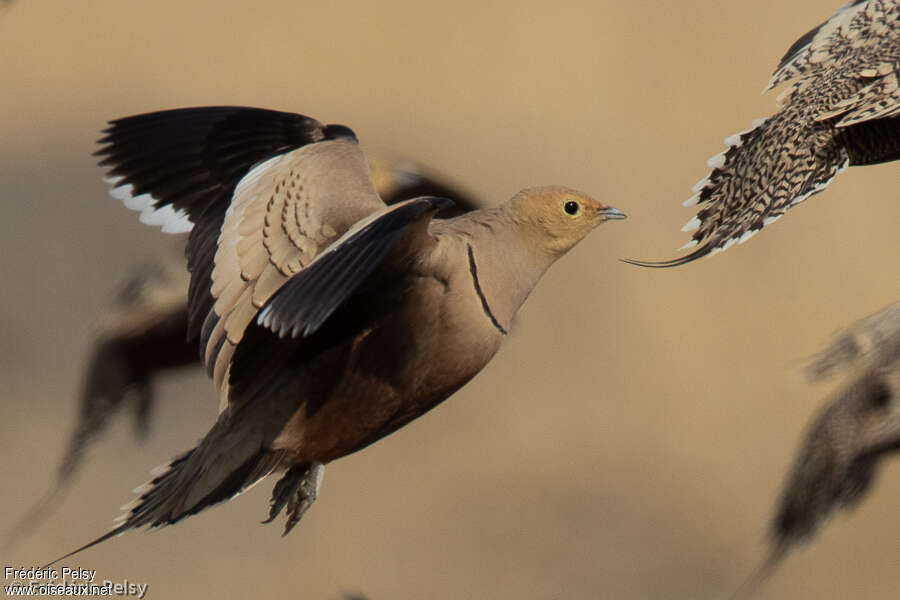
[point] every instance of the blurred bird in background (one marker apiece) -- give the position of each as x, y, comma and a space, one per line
326, 318
143, 334
857, 428
842, 108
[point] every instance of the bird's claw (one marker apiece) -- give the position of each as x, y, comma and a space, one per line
296, 490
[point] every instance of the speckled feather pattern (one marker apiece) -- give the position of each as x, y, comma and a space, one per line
843, 108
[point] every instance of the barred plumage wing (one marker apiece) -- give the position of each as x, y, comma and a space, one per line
284, 212
815, 48
304, 302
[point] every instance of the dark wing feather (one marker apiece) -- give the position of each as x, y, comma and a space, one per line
872, 142
308, 299
191, 158
402, 180
201, 253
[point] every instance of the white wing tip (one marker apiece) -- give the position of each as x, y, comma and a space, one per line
161, 469
142, 489
262, 319
716, 161
747, 235
128, 507
171, 220
692, 225
733, 140
692, 201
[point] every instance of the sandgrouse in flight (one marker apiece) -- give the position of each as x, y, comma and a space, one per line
142, 336
326, 318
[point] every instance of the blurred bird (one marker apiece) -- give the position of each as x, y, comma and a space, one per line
873, 341
326, 318
843, 108
855, 430
143, 334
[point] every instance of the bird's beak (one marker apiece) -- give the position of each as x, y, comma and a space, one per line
612, 213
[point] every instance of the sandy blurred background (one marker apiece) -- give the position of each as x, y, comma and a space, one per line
630, 438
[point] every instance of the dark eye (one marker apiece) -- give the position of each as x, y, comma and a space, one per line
571, 207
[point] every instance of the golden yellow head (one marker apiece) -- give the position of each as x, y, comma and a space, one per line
560, 217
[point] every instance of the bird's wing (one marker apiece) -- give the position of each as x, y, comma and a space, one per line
296, 307
284, 212
305, 301
180, 168
816, 49
859, 50
302, 233
398, 180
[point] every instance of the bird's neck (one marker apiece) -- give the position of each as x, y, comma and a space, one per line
504, 268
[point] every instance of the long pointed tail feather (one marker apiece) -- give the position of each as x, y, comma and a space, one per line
220, 467
112, 533
762, 572
700, 252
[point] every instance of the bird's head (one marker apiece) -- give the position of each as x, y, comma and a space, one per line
560, 217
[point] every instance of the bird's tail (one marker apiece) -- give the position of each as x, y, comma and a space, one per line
762, 572
223, 464
754, 181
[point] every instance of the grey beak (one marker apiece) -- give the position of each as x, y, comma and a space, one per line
613, 214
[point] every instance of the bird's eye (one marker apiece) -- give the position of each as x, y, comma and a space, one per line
572, 208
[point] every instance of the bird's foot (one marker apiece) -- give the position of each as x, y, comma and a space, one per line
297, 490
